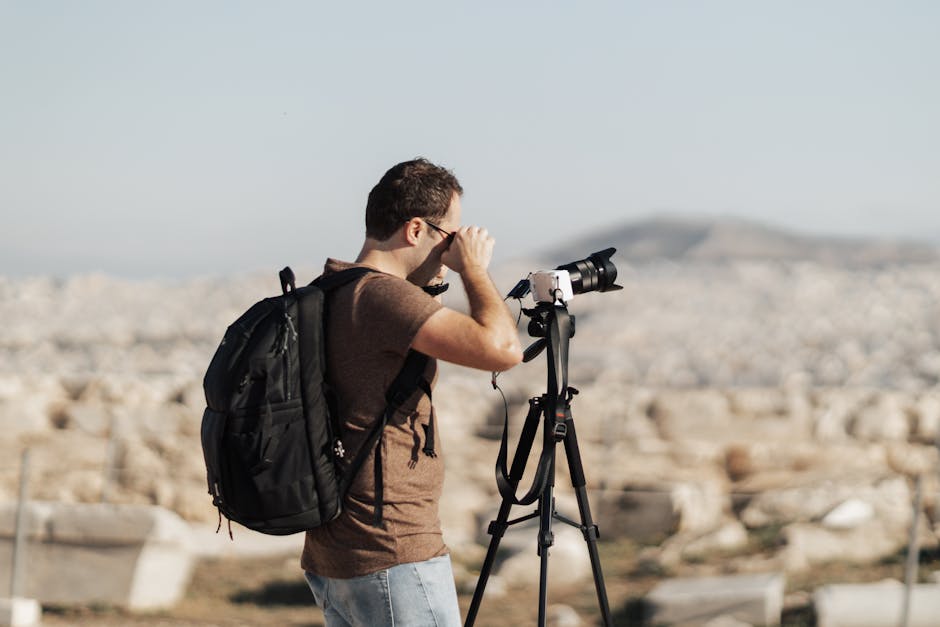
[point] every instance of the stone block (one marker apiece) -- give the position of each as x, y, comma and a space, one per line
730, 536
641, 515
568, 558
875, 605
131, 556
20, 612
752, 599
889, 497
808, 545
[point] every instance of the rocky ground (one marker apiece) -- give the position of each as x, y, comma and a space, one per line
270, 591
724, 405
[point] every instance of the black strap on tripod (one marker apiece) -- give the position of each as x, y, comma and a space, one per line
507, 486
559, 334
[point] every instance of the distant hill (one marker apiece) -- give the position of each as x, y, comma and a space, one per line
725, 239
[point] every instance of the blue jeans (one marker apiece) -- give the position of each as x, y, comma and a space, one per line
408, 595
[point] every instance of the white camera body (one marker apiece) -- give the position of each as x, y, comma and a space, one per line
551, 286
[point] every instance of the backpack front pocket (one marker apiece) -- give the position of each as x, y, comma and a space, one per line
269, 464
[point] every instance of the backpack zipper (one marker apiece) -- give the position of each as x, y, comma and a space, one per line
285, 350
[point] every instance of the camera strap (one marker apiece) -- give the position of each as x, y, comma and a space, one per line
559, 334
504, 482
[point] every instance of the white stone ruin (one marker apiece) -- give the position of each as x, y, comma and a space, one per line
132, 556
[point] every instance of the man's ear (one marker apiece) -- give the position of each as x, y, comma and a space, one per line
413, 231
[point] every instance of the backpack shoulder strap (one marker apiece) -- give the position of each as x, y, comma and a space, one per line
328, 282
409, 379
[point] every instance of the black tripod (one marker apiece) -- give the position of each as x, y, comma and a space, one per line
553, 324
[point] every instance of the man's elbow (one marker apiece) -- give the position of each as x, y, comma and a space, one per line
507, 357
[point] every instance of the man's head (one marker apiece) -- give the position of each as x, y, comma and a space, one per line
411, 189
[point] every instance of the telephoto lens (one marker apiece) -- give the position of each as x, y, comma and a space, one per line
596, 273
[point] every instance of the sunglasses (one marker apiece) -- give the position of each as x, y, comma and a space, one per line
447, 234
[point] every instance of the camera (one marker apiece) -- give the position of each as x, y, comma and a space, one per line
595, 273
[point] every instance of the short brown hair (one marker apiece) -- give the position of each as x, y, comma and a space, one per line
411, 189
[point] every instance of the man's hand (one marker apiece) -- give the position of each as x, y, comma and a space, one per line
486, 339
471, 249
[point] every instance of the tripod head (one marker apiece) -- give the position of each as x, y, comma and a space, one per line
554, 327
540, 319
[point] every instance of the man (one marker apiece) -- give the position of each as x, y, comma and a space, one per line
397, 571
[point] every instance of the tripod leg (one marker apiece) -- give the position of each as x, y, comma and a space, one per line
546, 537
587, 524
498, 527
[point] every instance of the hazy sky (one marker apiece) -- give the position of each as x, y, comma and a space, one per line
174, 138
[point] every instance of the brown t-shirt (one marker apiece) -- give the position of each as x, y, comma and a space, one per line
370, 326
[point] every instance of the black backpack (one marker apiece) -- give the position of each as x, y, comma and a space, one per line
270, 439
